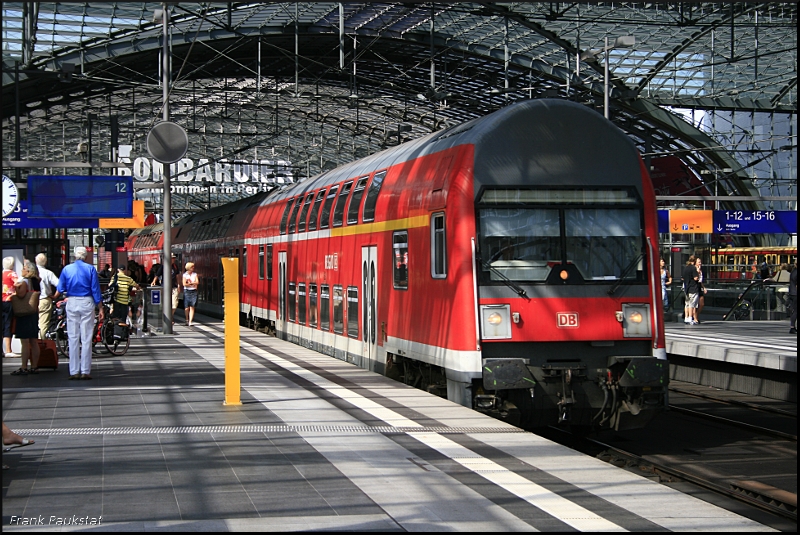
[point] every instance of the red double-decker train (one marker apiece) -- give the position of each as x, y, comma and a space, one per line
509, 263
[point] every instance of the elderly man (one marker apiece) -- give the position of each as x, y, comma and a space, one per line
79, 282
49, 284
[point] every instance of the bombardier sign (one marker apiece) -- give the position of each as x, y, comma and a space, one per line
191, 175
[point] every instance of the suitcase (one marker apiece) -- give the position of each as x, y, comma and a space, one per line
48, 355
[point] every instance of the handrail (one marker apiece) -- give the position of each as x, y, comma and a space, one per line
744, 299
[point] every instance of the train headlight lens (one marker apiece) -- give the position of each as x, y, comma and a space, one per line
495, 318
636, 320
496, 322
564, 275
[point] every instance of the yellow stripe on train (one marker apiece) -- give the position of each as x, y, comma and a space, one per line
382, 226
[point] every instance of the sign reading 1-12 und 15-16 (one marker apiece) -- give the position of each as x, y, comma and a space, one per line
755, 222
75, 196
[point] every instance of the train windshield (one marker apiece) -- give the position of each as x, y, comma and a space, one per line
525, 233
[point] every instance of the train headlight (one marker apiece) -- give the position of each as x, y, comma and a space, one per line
636, 320
496, 322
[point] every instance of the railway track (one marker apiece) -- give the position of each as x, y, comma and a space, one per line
729, 455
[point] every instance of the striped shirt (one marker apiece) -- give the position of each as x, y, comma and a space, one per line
124, 285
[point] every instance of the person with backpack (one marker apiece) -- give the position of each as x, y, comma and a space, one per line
122, 283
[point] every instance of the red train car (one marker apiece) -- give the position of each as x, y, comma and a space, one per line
508, 263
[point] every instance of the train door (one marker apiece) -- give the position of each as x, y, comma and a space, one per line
281, 323
369, 305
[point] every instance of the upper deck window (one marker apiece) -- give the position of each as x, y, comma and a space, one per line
338, 212
293, 215
355, 201
372, 196
285, 217
312, 219
325, 218
301, 223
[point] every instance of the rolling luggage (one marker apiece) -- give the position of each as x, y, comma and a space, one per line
48, 355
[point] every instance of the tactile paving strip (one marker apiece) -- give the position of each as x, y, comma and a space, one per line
261, 429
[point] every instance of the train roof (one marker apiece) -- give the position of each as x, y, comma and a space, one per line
537, 142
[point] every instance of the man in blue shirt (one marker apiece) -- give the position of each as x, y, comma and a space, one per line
80, 284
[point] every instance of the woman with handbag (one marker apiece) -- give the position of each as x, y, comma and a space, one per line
25, 303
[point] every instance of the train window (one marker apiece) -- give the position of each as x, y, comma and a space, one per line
352, 312
301, 303
338, 310
293, 216
325, 218
244, 261
269, 262
355, 202
605, 243
312, 305
230, 252
372, 196
438, 247
400, 259
338, 212
292, 302
301, 223
312, 219
261, 262
324, 307
285, 216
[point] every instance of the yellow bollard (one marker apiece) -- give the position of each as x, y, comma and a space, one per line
230, 267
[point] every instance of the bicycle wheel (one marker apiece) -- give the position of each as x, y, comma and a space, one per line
114, 346
62, 341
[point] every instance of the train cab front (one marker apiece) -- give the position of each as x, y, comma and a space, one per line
569, 318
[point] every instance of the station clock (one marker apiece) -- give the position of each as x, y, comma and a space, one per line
10, 196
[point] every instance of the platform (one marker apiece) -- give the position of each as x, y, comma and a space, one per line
317, 444
764, 344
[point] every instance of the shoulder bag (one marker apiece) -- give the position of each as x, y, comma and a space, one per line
26, 305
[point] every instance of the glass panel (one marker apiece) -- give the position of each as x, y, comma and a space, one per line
604, 243
338, 212
292, 302
355, 202
285, 217
312, 219
352, 312
301, 303
269, 262
439, 252
324, 307
338, 310
565, 196
519, 243
400, 263
312, 305
261, 262
293, 216
244, 261
372, 196
301, 223
325, 218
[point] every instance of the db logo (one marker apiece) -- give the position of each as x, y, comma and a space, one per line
567, 320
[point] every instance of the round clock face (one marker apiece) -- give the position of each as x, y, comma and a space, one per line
10, 196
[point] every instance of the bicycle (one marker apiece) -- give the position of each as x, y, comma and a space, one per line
105, 332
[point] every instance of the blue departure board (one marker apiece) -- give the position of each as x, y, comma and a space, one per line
76, 196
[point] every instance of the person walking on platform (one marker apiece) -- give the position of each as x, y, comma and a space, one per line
122, 300
10, 278
692, 287
49, 283
79, 282
190, 281
793, 299
666, 280
701, 293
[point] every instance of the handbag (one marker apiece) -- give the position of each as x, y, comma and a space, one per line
25, 305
